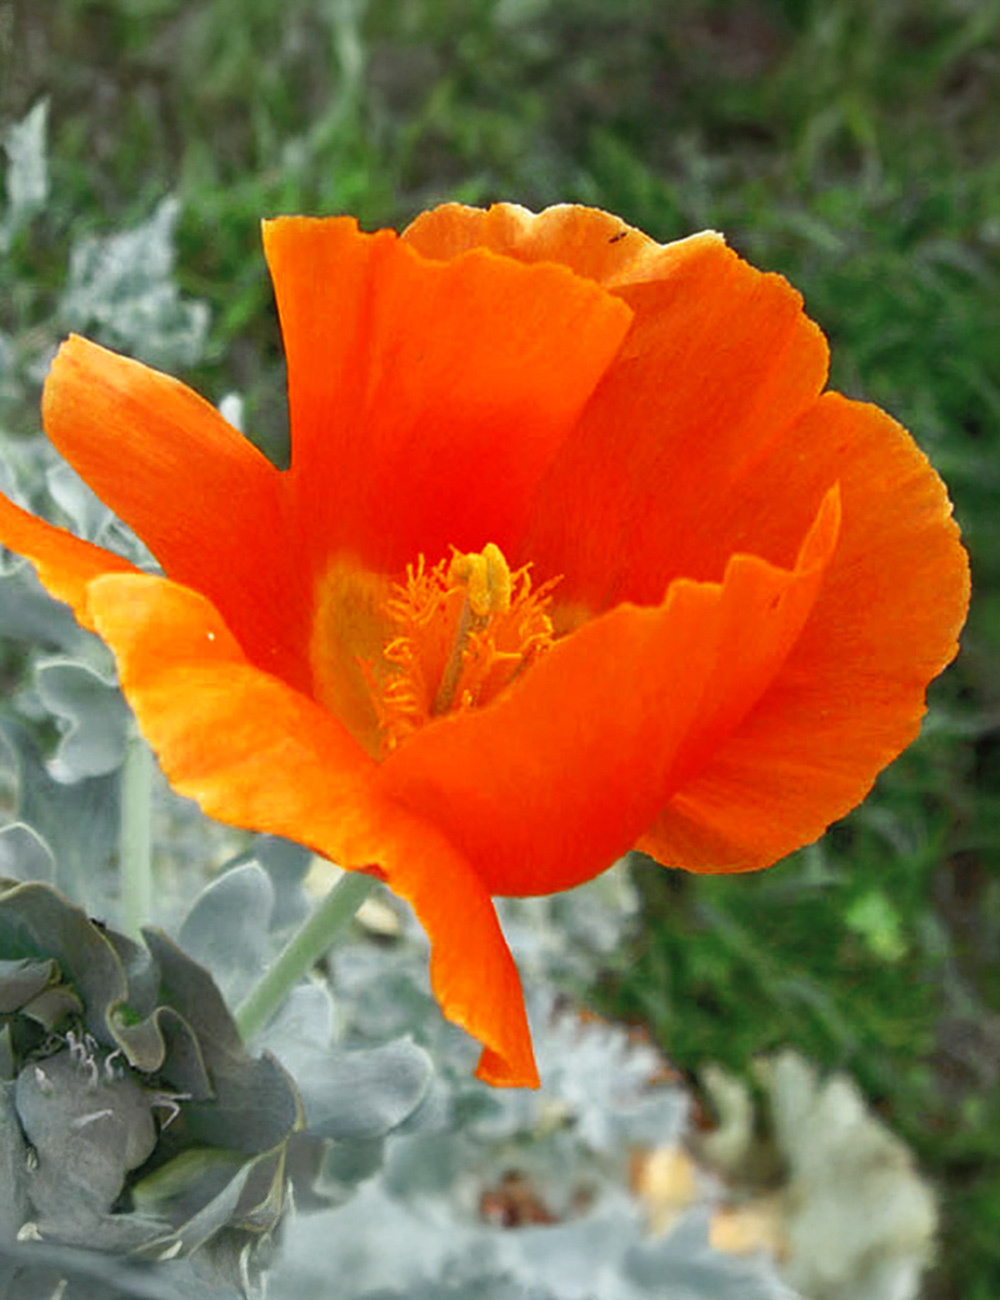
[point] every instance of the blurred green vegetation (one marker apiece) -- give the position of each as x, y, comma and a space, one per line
853, 146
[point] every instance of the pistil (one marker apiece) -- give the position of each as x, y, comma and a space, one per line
462, 632
487, 582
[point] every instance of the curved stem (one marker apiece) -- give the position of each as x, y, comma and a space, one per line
316, 934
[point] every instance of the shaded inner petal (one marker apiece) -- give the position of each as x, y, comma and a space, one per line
588, 745
389, 658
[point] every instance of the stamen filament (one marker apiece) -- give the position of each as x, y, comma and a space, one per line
462, 632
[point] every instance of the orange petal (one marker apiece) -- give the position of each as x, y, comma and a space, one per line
720, 362
426, 398
551, 782
204, 500
64, 563
851, 694
591, 243
257, 754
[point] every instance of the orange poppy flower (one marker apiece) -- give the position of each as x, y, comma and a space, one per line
573, 555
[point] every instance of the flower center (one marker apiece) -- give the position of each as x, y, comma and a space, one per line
460, 633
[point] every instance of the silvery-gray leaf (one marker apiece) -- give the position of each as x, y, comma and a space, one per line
35, 921
348, 1093
8, 1056
10, 777
190, 989
255, 1105
371, 1242
87, 513
363, 1093
80, 823
227, 929
121, 290
89, 1126
424, 1167
141, 973
862, 1222
383, 992
24, 855
604, 1081
686, 1267
245, 1188
40, 1270
376, 1245
29, 614
91, 519
466, 1284
287, 864
22, 979
13, 1169
92, 716
302, 1026
561, 937
27, 180
581, 1258
177, 1191
345, 1165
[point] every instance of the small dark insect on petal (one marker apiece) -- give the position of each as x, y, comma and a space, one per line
617, 236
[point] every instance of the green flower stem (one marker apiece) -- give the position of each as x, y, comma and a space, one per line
317, 933
135, 845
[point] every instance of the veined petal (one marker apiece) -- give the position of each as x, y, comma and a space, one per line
851, 694
199, 494
65, 564
721, 361
427, 398
621, 710
254, 753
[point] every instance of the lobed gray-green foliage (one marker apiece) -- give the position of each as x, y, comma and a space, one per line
851, 146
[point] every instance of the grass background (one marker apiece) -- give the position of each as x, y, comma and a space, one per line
853, 146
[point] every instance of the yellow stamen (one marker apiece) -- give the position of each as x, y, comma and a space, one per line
460, 633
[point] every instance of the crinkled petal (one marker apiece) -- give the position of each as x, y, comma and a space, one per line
427, 398
200, 495
851, 694
547, 785
255, 753
65, 564
591, 243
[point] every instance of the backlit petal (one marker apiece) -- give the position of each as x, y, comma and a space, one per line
64, 563
851, 694
546, 786
426, 398
257, 754
721, 361
199, 494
